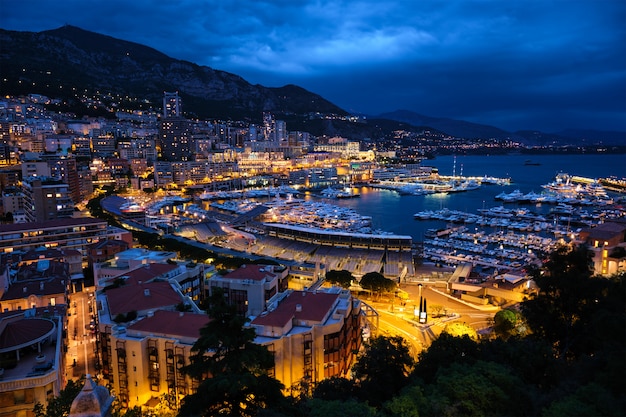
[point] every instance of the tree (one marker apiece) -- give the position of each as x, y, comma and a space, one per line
574, 311
376, 282
508, 323
233, 370
342, 278
334, 388
479, 389
60, 406
382, 370
461, 329
445, 350
338, 408
408, 404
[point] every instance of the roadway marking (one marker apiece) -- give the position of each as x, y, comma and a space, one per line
82, 303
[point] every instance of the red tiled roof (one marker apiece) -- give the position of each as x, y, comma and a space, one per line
23, 289
314, 307
138, 297
606, 231
172, 323
19, 332
146, 272
253, 272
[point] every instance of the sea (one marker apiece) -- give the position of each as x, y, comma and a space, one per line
394, 213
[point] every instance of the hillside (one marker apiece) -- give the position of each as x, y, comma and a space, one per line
70, 62
45, 62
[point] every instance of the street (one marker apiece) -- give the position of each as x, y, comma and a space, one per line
81, 358
399, 317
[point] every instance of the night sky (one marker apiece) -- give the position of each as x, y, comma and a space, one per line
527, 64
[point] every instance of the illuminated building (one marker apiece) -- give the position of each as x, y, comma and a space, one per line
313, 334
72, 233
607, 242
145, 341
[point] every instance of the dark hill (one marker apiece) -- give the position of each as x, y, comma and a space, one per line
70, 57
458, 128
70, 62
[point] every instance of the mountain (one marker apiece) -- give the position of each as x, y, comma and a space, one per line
69, 62
458, 128
73, 57
463, 129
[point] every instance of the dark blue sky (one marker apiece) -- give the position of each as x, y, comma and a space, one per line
514, 64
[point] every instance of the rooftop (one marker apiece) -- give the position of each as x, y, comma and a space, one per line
171, 324
306, 306
146, 273
252, 272
141, 297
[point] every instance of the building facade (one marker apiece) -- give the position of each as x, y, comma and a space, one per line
313, 335
74, 233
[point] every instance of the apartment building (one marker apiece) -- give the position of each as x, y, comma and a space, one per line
144, 340
314, 335
71, 233
250, 287
46, 198
607, 242
32, 364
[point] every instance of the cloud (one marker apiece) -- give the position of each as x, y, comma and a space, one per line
509, 62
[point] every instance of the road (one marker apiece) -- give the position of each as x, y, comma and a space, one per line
81, 339
397, 317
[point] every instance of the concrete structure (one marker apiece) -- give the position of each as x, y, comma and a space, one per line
74, 233
175, 131
46, 198
145, 341
40, 283
128, 260
32, 361
92, 401
104, 250
313, 334
250, 287
607, 241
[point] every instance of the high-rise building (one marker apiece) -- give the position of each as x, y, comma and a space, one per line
46, 199
172, 107
174, 131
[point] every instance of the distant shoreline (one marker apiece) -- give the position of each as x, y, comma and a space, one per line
559, 150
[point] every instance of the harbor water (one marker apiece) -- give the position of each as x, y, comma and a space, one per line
392, 212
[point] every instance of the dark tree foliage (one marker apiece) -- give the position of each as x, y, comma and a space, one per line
531, 359
446, 349
60, 406
334, 388
575, 312
382, 370
376, 282
476, 390
338, 408
233, 370
342, 278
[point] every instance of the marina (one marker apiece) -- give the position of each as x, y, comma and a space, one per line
498, 223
